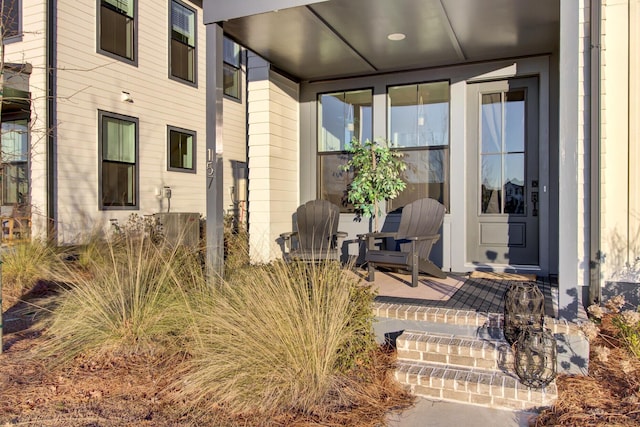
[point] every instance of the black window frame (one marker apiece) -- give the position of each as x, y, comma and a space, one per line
15, 34
343, 155
234, 66
173, 37
134, 38
22, 163
194, 151
101, 161
445, 199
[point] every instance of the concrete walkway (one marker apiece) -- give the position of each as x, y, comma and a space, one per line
429, 413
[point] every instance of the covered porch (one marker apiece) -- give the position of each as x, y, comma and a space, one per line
306, 50
459, 291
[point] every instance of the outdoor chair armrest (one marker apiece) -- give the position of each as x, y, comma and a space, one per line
417, 238
377, 235
288, 235
287, 240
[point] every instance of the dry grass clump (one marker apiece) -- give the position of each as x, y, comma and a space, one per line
130, 303
610, 395
277, 339
26, 263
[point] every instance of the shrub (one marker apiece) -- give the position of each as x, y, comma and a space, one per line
377, 176
279, 337
625, 322
129, 304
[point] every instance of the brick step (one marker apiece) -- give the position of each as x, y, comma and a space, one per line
483, 387
461, 318
454, 350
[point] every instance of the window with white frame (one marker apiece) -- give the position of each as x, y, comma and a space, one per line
116, 28
342, 116
118, 148
231, 68
181, 150
183, 42
418, 126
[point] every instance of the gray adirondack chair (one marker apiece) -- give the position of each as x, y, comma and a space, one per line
315, 236
411, 245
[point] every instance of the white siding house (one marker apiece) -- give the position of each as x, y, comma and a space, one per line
133, 65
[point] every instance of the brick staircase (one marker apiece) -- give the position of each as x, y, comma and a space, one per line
464, 369
461, 356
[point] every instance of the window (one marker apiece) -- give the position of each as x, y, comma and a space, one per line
502, 153
116, 28
231, 68
181, 149
342, 116
11, 23
419, 126
183, 42
118, 145
15, 154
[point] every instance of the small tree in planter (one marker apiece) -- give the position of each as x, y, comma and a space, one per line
377, 176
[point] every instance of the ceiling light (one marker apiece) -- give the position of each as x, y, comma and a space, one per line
396, 37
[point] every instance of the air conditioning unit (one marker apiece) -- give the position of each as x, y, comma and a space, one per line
180, 227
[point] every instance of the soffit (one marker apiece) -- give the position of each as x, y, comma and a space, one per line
339, 38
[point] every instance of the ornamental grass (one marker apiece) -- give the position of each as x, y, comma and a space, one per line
129, 303
279, 338
24, 265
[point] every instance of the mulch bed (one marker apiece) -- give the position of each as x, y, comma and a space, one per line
608, 396
134, 390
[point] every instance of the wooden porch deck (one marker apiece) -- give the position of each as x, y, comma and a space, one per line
474, 294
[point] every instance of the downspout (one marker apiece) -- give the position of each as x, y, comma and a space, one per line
596, 255
51, 118
245, 57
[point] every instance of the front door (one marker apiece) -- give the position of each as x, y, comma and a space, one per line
502, 175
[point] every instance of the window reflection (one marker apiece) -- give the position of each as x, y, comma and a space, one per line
419, 115
502, 155
14, 172
342, 117
427, 175
419, 125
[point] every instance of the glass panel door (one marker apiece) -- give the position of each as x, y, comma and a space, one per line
502, 155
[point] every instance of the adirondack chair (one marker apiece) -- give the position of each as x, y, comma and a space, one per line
17, 225
316, 236
411, 245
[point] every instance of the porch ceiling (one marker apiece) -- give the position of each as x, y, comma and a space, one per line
339, 38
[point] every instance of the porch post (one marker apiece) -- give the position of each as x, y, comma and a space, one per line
214, 185
569, 196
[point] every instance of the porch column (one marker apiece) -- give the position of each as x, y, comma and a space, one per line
273, 116
214, 188
572, 254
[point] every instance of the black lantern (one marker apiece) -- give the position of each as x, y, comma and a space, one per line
523, 306
534, 357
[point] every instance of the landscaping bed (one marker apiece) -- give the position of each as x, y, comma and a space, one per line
131, 333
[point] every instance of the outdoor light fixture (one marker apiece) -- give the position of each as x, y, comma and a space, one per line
396, 37
534, 357
126, 97
523, 307
534, 347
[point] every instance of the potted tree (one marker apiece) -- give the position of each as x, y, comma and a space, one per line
377, 176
